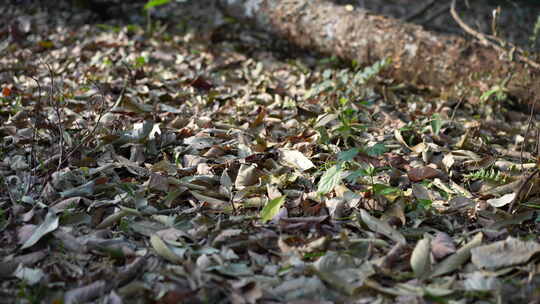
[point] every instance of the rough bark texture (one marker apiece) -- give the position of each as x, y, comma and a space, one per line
424, 58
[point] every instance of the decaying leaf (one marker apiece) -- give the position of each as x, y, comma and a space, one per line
86, 293
247, 175
509, 252
456, 260
340, 272
422, 173
479, 281
49, 224
163, 250
30, 276
381, 227
421, 258
442, 245
295, 159
502, 201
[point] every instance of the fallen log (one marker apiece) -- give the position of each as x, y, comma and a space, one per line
447, 64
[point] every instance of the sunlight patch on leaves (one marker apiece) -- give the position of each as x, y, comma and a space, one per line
49, 224
330, 179
271, 208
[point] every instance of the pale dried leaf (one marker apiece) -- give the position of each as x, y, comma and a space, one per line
49, 224
501, 201
163, 250
456, 260
294, 159
442, 245
509, 252
421, 258
381, 227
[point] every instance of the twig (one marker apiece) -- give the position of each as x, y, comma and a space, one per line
529, 125
537, 144
56, 107
484, 39
521, 189
455, 109
86, 137
34, 161
93, 130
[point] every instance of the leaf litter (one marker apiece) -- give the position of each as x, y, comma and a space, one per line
166, 166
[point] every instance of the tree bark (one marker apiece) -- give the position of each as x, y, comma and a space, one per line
443, 63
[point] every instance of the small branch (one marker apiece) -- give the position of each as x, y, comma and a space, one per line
484, 39
529, 126
519, 192
56, 106
92, 132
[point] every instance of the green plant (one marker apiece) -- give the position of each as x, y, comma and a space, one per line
345, 92
271, 208
32, 294
14, 104
155, 3
330, 179
533, 205
140, 62
425, 203
148, 7
124, 225
412, 131
487, 174
498, 92
128, 188
376, 150
353, 170
349, 123
345, 85
436, 123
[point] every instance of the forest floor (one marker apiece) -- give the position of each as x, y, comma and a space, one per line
168, 164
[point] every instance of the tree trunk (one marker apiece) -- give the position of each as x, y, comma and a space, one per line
443, 63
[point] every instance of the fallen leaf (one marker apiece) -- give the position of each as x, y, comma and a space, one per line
50, 223
456, 260
509, 252
381, 227
442, 245
295, 159
420, 258
501, 201
422, 173
271, 208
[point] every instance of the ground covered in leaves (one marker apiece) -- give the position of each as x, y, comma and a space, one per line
168, 164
